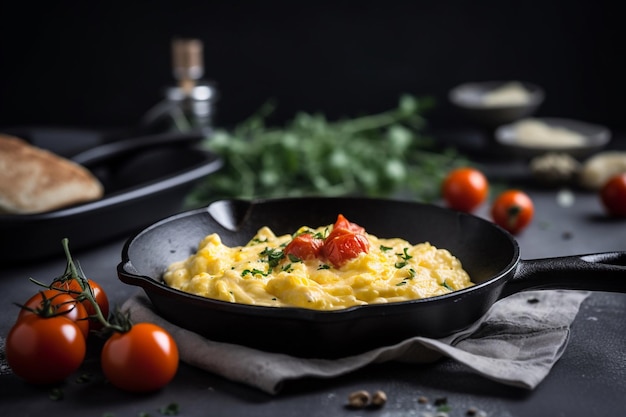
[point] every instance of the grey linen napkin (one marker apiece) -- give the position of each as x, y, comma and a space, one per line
516, 343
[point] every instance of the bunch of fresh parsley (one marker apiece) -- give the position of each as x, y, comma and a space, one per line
380, 155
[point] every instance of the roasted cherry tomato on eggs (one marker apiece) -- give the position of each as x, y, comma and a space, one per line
346, 241
465, 189
341, 247
613, 195
45, 350
143, 359
343, 223
512, 210
52, 302
304, 246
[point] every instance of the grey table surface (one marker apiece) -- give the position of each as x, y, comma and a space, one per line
589, 379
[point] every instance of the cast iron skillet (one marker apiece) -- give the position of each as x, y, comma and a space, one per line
145, 179
489, 254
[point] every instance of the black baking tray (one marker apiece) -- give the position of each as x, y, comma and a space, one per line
145, 178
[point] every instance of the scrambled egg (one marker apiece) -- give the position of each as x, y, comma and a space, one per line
392, 270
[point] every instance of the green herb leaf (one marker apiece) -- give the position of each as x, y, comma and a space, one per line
377, 155
253, 272
274, 256
56, 394
170, 410
294, 258
256, 241
405, 254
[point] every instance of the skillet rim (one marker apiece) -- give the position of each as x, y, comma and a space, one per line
150, 284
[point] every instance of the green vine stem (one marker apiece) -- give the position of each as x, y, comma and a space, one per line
73, 271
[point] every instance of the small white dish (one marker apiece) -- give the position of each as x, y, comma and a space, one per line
493, 103
538, 136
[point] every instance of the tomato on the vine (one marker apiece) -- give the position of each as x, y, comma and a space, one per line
73, 287
56, 303
512, 210
465, 189
143, 359
613, 195
45, 350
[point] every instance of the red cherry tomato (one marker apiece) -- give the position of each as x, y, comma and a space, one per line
343, 247
53, 302
343, 223
343, 226
339, 231
346, 241
304, 246
45, 350
143, 359
512, 210
98, 294
613, 195
465, 189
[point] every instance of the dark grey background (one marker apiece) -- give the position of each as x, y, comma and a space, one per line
102, 64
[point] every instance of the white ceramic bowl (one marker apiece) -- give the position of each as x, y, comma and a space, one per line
572, 137
473, 100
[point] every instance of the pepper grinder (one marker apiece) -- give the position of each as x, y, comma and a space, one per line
188, 106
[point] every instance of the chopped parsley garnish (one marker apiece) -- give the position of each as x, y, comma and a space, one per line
274, 256
253, 272
322, 235
302, 232
294, 258
323, 266
405, 254
405, 257
384, 248
411, 276
256, 241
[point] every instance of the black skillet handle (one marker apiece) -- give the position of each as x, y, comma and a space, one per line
593, 272
108, 151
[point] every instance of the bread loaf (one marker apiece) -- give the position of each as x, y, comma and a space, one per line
34, 180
